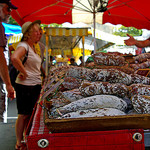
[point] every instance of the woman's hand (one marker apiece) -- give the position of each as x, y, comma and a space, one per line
22, 76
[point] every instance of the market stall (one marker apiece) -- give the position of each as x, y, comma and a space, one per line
47, 12
62, 39
98, 102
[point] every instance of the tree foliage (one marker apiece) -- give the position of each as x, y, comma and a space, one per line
12, 21
122, 31
51, 25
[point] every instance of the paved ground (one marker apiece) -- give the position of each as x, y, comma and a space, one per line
7, 130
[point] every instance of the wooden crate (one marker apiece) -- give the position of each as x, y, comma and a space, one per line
139, 121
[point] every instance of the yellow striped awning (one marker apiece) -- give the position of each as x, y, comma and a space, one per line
15, 38
53, 31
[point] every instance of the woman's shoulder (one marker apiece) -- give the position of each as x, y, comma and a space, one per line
23, 44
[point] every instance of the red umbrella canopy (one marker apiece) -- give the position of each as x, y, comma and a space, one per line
126, 12
48, 11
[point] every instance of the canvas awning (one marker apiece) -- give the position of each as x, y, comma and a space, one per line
54, 31
65, 38
14, 38
13, 33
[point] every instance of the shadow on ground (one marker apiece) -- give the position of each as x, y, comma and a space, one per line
7, 130
7, 135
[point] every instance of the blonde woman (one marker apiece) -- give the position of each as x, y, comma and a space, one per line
28, 82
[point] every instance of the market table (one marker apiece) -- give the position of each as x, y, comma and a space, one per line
39, 137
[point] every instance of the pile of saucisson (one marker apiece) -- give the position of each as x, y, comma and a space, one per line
99, 91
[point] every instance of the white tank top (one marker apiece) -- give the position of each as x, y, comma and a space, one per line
32, 67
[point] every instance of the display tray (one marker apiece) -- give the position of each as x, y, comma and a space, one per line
139, 121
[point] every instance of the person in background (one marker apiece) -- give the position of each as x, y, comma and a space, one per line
90, 59
40, 49
72, 62
5, 12
81, 59
50, 64
141, 44
143, 50
28, 82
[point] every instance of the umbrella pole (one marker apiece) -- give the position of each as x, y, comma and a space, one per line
94, 31
46, 68
83, 39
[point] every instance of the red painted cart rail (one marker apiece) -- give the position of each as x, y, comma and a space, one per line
39, 137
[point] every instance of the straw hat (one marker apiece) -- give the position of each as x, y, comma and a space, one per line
27, 25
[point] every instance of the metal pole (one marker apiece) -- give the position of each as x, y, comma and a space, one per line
83, 39
94, 30
46, 68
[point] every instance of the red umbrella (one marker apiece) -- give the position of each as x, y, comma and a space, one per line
48, 11
126, 12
